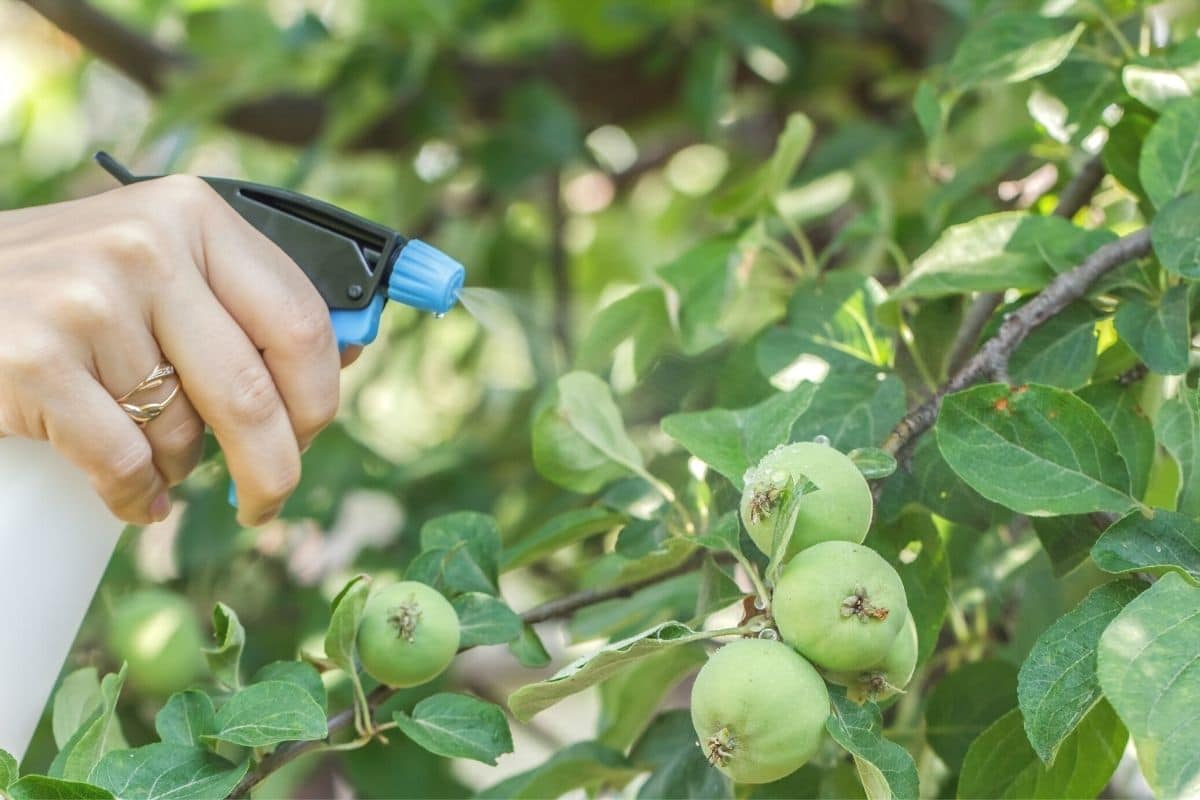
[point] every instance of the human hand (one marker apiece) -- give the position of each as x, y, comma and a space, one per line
95, 292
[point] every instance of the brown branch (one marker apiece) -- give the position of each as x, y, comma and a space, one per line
141, 59
1075, 195
1061, 292
610, 89
565, 606
554, 609
1078, 192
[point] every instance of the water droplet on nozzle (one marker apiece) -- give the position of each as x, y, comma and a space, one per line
439, 314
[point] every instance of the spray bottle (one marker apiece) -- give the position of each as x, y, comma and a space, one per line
56, 536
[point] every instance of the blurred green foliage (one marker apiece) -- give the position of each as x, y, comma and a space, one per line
630, 178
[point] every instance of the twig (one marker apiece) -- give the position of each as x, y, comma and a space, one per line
1061, 292
565, 606
613, 89
554, 609
1075, 195
1078, 192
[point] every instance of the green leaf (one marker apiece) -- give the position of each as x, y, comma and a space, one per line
913, 546
591, 669
717, 589
1067, 540
678, 767
630, 699
706, 83
618, 570
77, 698
557, 533
791, 500
1070, 101
832, 317
225, 659
1157, 87
301, 674
1165, 541
8, 769
1057, 685
1011, 47
733, 441
529, 650
1170, 161
1037, 450
484, 619
1123, 150
1178, 428
451, 570
473, 542
168, 772
458, 726
186, 718
1120, 410
1147, 662
265, 714
674, 598
725, 534
1158, 333
884, 767
579, 440
583, 765
1001, 763
1174, 236
929, 111
1061, 352
957, 711
342, 636
39, 787
997, 252
873, 462
853, 407
641, 317
701, 279
754, 193
540, 133
100, 733
940, 490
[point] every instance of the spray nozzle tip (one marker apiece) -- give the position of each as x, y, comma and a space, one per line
425, 278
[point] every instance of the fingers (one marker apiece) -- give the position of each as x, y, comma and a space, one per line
282, 313
351, 354
84, 424
233, 391
176, 437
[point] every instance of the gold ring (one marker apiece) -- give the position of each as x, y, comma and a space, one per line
146, 413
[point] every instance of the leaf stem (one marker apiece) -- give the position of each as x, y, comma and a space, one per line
760, 588
802, 241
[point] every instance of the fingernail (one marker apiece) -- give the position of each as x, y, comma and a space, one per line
161, 507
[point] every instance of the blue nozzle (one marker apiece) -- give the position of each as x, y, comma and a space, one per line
425, 278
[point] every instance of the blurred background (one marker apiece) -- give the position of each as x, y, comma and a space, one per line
563, 150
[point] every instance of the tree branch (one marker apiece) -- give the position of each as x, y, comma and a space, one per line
611, 89
1075, 195
144, 61
1061, 292
554, 609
